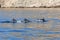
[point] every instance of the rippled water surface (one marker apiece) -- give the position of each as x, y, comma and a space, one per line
49, 30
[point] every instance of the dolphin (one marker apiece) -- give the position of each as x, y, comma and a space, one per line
26, 20
43, 20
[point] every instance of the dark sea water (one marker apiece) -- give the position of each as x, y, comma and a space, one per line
49, 30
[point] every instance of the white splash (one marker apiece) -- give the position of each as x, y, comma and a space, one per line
18, 21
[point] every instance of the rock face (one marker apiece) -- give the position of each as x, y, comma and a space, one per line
29, 3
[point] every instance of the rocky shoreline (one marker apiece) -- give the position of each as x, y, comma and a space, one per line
29, 3
34, 7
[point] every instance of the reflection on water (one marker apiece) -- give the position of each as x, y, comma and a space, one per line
49, 30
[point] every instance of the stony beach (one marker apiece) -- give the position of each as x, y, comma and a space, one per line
29, 3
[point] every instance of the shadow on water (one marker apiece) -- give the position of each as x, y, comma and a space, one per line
29, 30
26, 32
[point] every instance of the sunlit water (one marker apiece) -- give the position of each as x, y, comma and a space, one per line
49, 30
